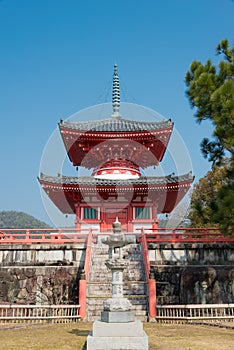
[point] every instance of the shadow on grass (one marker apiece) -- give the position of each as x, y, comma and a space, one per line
151, 347
80, 332
85, 346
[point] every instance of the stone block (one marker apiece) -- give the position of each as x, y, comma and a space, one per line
124, 329
117, 343
117, 316
117, 336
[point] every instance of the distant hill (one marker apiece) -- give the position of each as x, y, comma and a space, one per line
17, 219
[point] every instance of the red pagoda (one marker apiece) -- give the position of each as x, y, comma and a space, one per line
115, 150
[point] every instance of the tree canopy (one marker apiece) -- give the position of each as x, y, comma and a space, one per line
212, 201
15, 219
210, 90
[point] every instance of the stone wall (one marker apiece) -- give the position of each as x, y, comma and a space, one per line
40, 273
193, 273
41, 254
185, 273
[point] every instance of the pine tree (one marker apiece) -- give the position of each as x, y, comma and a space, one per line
210, 90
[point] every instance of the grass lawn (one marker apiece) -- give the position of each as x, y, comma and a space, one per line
73, 336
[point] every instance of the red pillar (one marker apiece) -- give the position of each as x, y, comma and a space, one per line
150, 278
27, 237
155, 217
82, 295
130, 218
155, 226
78, 216
103, 227
152, 298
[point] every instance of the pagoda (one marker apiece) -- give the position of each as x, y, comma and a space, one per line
116, 150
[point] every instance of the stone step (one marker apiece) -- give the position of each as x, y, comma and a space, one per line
140, 289
98, 263
125, 282
138, 309
133, 269
95, 307
99, 284
97, 318
106, 256
100, 250
97, 315
94, 300
128, 288
96, 312
139, 302
99, 275
134, 276
95, 292
129, 274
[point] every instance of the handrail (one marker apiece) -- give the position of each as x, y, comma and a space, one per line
66, 235
150, 281
88, 253
50, 236
83, 280
186, 235
145, 254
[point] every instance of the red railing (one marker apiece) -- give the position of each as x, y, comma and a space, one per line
55, 236
145, 254
150, 281
88, 254
85, 277
186, 235
161, 235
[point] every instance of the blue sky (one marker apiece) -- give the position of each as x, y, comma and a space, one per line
57, 58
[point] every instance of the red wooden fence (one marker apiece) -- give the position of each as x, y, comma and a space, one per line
186, 235
61, 236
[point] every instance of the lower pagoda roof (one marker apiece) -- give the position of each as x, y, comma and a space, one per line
67, 192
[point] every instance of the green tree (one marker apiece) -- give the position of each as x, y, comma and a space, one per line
212, 201
15, 219
210, 90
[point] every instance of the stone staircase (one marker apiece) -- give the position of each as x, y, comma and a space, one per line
99, 283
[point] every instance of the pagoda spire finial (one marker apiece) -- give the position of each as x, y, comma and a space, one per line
116, 93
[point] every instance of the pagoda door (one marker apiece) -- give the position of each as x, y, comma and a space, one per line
121, 214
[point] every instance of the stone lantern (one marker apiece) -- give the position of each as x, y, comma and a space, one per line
117, 328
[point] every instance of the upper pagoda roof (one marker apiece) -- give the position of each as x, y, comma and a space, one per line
91, 143
116, 124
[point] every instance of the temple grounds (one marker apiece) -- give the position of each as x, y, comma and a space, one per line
73, 336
